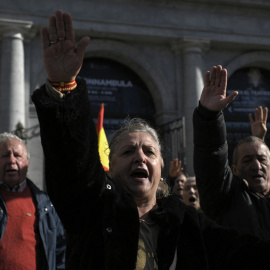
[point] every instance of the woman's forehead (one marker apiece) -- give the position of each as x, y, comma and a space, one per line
140, 138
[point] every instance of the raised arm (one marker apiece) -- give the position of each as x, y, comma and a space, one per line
213, 96
175, 168
62, 58
74, 174
213, 174
259, 123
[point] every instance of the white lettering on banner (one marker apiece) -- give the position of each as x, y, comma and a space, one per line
111, 83
93, 92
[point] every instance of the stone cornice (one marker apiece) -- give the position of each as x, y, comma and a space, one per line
190, 44
10, 27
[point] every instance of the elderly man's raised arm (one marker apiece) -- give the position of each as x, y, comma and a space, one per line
210, 146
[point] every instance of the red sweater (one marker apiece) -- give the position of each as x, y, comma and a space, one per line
19, 244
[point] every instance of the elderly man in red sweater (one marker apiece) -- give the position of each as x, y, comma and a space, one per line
31, 234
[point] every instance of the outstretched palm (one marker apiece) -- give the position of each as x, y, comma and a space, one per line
213, 96
175, 168
259, 124
62, 59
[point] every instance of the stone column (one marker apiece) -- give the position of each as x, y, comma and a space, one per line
193, 81
12, 94
177, 51
179, 139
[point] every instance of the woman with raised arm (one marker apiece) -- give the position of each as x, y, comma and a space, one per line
118, 223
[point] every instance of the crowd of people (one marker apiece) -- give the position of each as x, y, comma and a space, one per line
132, 217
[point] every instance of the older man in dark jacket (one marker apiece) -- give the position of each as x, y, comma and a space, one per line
237, 198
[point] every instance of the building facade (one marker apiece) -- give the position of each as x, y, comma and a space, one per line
167, 46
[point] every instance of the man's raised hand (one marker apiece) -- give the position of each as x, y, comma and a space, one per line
259, 123
213, 96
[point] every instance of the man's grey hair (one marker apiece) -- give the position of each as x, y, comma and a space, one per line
134, 125
250, 139
6, 136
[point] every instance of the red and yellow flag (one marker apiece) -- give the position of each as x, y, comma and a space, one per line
103, 146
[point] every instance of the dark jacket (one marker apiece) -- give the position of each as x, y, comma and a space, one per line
224, 197
51, 230
101, 219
